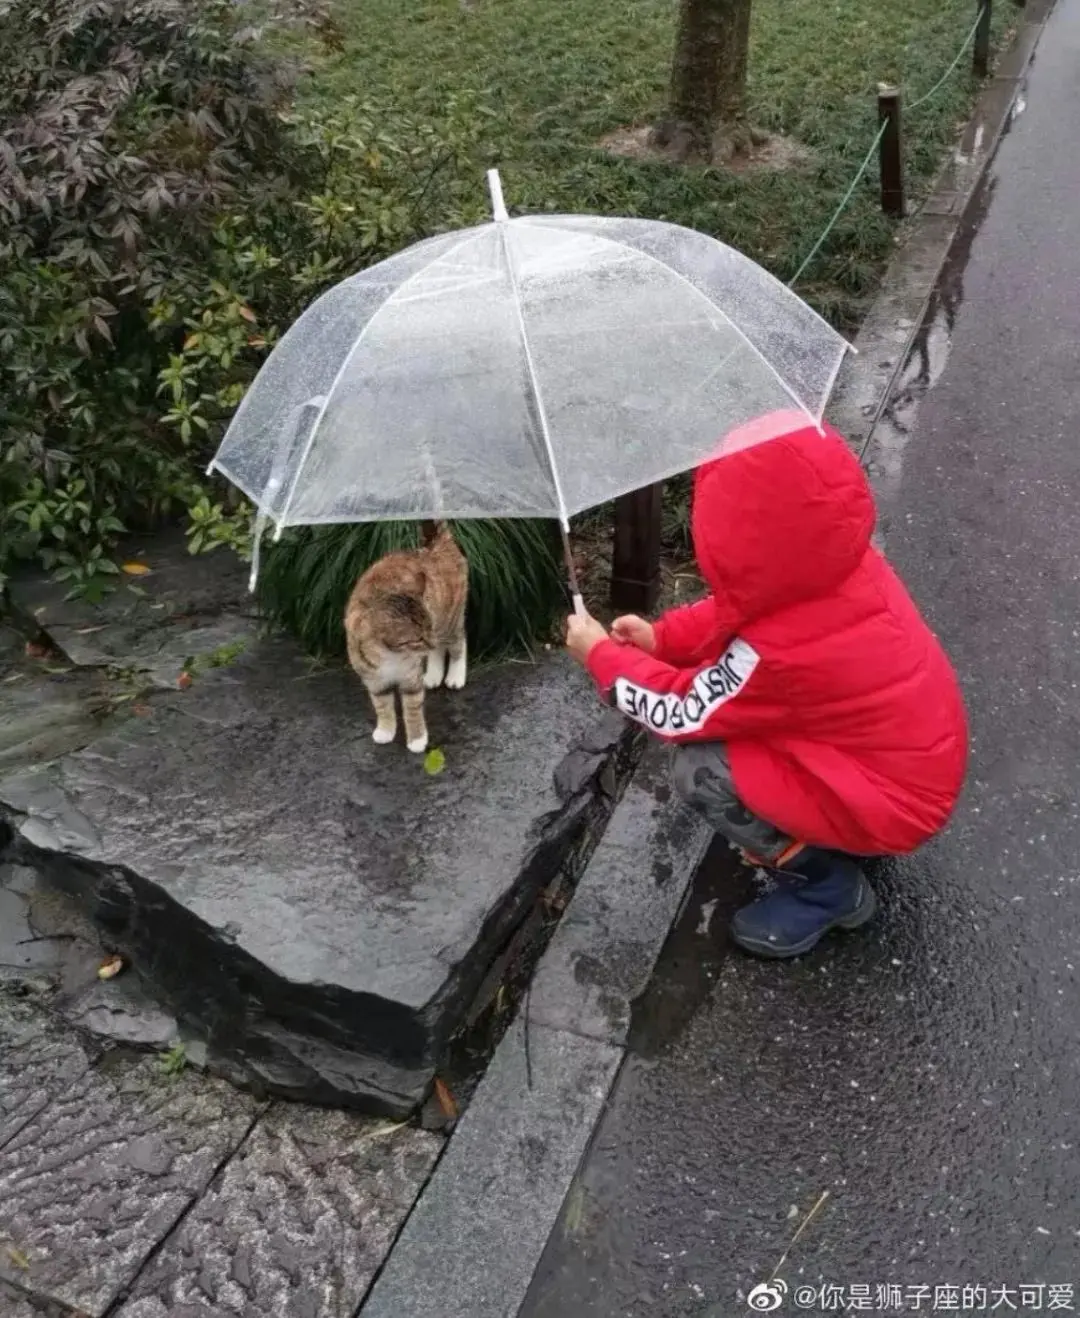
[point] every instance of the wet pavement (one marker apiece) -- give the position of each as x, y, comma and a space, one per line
924, 1073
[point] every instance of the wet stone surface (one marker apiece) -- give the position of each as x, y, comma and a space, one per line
471, 1244
45, 942
604, 949
297, 1224
47, 707
317, 907
16, 1304
37, 1062
181, 607
101, 1173
122, 1011
51, 952
127, 1189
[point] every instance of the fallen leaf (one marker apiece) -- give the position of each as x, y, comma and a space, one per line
445, 1099
110, 967
134, 569
17, 1257
434, 761
574, 1212
35, 650
247, 314
386, 1128
184, 680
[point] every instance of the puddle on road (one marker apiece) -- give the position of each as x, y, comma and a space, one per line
926, 358
930, 348
696, 948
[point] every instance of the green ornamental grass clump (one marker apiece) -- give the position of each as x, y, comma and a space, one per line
516, 579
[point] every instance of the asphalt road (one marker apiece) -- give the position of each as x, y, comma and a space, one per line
926, 1072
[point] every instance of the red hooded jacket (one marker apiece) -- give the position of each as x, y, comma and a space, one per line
842, 716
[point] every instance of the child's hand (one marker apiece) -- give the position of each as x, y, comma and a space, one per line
632, 630
582, 633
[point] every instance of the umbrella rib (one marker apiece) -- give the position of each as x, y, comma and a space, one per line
533, 381
456, 247
714, 306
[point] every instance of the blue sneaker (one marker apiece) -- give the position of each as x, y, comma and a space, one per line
820, 890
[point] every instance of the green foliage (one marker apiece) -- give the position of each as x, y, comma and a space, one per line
165, 214
227, 653
516, 579
174, 1060
125, 129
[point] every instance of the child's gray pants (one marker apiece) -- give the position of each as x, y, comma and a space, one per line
701, 773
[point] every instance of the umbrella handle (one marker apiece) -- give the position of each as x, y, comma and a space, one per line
571, 571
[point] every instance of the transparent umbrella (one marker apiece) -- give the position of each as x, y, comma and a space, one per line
529, 367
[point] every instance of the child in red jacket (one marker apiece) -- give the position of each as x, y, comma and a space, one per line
816, 715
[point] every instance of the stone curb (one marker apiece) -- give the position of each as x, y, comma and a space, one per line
867, 381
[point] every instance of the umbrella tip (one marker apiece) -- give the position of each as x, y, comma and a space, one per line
498, 206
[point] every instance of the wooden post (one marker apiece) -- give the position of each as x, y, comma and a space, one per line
981, 53
635, 567
891, 151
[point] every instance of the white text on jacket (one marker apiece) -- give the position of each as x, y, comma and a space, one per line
671, 715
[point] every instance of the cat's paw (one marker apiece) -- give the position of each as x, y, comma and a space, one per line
434, 670
455, 674
383, 736
418, 744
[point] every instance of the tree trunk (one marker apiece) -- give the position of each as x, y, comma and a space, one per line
733, 77
708, 77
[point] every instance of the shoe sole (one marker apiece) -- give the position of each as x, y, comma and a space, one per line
863, 913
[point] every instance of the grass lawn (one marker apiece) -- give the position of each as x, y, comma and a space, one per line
560, 74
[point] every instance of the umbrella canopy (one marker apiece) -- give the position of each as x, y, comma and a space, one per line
530, 367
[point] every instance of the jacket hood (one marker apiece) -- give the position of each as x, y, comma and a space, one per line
782, 515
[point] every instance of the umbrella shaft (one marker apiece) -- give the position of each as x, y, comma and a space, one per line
571, 571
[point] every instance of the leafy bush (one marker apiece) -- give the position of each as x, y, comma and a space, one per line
515, 579
164, 214
125, 128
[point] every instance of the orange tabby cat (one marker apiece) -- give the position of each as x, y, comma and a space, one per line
405, 627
